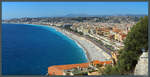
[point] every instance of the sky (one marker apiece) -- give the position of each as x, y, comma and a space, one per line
54, 9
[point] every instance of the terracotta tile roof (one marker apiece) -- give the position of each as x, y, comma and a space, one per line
58, 69
101, 62
70, 66
116, 30
123, 35
103, 29
82, 65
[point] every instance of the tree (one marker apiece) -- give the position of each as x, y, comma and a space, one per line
111, 70
136, 39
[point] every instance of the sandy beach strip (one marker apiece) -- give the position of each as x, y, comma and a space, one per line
92, 51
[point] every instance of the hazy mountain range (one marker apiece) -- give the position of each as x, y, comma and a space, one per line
87, 15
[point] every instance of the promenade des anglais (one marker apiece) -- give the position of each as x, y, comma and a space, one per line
68, 43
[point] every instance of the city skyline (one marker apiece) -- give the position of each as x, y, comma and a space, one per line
56, 9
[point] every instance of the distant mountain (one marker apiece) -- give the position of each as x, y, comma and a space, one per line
129, 15
136, 15
76, 15
87, 15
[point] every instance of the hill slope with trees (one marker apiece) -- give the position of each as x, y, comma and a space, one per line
137, 39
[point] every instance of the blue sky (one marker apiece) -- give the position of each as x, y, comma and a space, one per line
48, 9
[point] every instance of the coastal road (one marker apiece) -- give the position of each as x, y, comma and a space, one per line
92, 50
99, 45
108, 51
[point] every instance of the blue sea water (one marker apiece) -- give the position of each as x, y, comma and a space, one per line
31, 49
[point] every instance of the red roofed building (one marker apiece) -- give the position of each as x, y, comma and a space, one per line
119, 34
72, 69
120, 37
123, 36
116, 30
103, 31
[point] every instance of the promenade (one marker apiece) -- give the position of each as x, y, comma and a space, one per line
93, 52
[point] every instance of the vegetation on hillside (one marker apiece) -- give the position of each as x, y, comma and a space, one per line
136, 40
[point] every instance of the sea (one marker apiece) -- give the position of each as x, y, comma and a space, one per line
31, 49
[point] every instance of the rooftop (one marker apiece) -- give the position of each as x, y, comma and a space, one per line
81, 65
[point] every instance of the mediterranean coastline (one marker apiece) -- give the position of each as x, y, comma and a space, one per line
67, 34
92, 51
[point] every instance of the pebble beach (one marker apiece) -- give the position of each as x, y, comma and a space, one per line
92, 51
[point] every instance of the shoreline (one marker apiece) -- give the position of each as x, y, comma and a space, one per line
78, 43
92, 51
89, 54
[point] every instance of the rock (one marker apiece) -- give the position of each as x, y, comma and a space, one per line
142, 65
